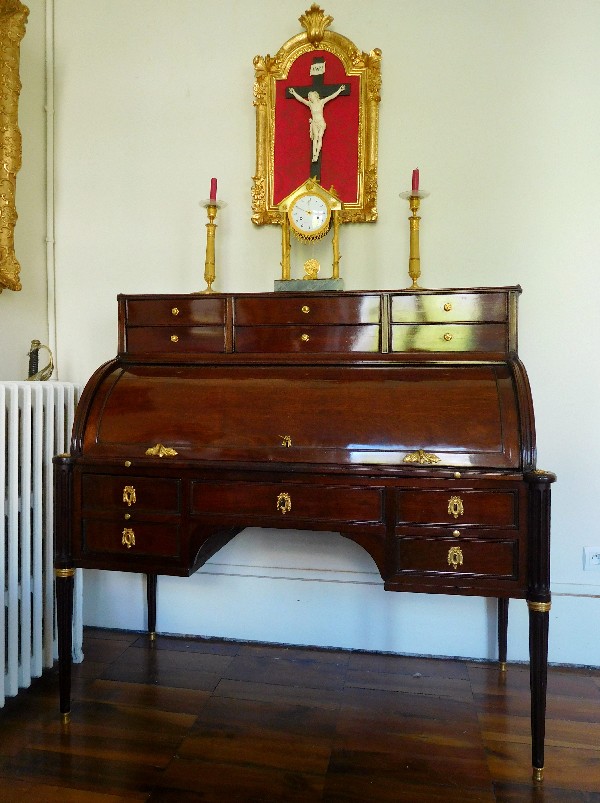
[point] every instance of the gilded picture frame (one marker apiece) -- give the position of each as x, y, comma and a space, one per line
13, 17
353, 147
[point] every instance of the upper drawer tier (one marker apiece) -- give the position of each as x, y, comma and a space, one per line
307, 309
437, 324
449, 307
175, 311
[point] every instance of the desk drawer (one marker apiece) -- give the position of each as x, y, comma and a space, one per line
307, 339
307, 309
180, 311
489, 337
175, 339
287, 503
457, 508
449, 307
442, 556
123, 493
131, 540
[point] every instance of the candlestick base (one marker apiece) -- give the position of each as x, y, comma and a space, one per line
205, 292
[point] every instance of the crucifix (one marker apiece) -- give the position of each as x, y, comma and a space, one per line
315, 96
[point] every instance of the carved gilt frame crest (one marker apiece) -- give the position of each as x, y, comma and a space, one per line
13, 16
363, 70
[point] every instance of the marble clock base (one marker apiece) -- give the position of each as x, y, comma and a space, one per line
307, 285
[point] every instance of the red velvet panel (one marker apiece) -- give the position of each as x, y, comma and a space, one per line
339, 155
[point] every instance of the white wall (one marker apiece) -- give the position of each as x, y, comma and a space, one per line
499, 106
24, 314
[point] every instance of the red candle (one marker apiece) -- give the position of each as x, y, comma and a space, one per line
415, 180
213, 189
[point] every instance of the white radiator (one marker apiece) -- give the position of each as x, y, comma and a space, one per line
35, 426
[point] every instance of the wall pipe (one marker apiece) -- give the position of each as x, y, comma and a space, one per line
50, 243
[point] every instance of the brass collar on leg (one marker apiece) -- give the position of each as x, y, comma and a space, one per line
64, 573
539, 607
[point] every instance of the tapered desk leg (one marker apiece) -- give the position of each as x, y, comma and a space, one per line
151, 582
538, 676
538, 602
502, 631
64, 613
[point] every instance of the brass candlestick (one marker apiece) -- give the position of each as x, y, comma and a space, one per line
414, 260
336, 244
285, 246
211, 207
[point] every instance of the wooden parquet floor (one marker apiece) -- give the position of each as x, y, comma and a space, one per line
194, 720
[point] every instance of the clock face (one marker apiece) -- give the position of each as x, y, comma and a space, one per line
310, 215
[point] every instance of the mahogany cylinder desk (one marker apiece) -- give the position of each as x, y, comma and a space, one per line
401, 419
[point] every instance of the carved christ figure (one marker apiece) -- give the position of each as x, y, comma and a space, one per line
317, 124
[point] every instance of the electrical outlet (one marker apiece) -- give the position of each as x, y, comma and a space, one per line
591, 558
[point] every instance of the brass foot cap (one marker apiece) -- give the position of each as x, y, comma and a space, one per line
65, 717
152, 636
538, 774
503, 666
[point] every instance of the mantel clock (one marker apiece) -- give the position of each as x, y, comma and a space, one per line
309, 212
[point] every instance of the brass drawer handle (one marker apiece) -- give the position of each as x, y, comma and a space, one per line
284, 503
455, 506
174, 338
455, 557
128, 538
305, 338
447, 337
447, 306
305, 309
175, 311
129, 495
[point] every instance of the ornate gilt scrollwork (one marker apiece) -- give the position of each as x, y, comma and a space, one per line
129, 495
270, 69
13, 16
455, 506
284, 503
314, 22
422, 458
286, 440
160, 451
455, 557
